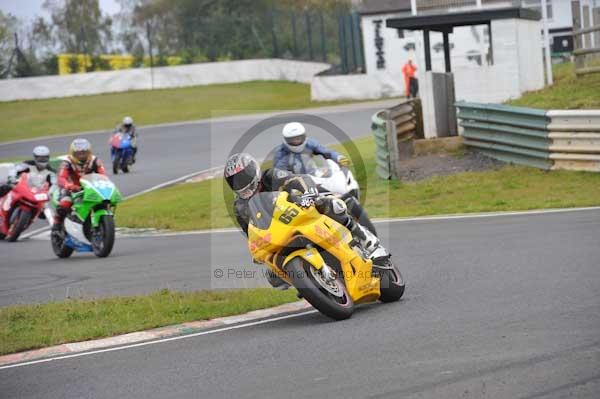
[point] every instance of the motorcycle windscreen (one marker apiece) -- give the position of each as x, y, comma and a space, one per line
261, 207
316, 165
101, 184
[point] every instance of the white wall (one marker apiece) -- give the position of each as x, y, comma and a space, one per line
562, 17
164, 77
356, 87
531, 60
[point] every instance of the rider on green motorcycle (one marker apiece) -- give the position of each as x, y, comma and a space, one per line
80, 162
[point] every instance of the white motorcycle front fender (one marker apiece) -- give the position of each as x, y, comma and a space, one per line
75, 230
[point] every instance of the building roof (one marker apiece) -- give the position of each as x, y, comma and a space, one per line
445, 22
383, 6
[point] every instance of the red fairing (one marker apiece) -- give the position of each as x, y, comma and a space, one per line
24, 197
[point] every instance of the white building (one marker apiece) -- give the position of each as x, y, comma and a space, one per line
482, 72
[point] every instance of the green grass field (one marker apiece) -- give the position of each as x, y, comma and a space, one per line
26, 327
568, 91
29, 119
203, 206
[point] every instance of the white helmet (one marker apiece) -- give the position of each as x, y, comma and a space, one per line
41, 156
294, 136
128, 121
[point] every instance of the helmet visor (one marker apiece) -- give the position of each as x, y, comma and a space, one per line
243, 179
82, 156
296, 140
42, 159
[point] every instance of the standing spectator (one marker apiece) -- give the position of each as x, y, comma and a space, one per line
411, 83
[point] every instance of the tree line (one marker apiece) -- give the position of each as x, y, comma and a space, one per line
191, 30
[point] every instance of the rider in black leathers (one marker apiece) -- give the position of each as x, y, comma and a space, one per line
242, 173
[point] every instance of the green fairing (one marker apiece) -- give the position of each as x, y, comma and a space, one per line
95, 190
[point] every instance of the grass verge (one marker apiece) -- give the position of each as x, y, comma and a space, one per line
202, 205
567, 92
26, 327
34, 118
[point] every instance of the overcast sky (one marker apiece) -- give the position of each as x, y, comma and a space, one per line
28, 9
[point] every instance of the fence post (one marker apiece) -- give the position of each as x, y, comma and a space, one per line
323, 45
309, 35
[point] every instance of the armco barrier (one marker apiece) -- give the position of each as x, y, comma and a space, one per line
539, 138
575, 136
511, 134
394, 130
382, 151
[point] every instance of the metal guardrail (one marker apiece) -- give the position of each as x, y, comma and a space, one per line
575, 137
543, 139
382, 151
394, 130
511, 134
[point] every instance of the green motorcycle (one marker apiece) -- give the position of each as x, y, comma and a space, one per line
90, 227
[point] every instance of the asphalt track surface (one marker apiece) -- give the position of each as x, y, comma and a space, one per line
498, 307
169, 152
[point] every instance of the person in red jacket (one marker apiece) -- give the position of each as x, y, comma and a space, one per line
80, 162
410, 81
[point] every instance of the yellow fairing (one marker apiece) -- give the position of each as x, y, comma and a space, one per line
290, 221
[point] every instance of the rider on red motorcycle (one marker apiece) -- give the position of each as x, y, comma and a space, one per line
39, 164
80, 162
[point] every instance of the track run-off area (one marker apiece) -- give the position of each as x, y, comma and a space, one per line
502, 306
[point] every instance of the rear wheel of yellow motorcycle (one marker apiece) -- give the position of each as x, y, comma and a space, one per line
392, 283
329, 297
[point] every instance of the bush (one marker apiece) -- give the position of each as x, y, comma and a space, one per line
100, 64
74, 64
50, 64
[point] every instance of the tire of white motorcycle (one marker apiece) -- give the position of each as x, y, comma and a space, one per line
299, 271
106, 229
392, 284
19, 225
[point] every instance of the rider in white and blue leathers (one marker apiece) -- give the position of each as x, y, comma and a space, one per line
295, 144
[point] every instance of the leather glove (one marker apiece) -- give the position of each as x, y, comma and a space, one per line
343, 161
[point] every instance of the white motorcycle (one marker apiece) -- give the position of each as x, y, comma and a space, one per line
339, 181
331, 177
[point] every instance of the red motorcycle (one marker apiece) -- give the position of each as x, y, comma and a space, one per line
22, 205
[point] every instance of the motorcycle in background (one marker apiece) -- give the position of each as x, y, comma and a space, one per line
121, 152
90, 227
22, 205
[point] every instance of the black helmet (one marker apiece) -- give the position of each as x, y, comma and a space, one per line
242, 173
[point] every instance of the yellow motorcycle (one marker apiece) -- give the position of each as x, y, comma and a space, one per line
319, 256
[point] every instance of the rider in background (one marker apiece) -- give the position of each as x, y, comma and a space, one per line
128, 128
295, 144
80, 162
39, 164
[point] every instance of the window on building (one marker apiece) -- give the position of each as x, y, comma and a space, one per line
537, 5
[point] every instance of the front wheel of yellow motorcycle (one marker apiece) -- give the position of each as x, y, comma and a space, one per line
324, 290
392, 282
